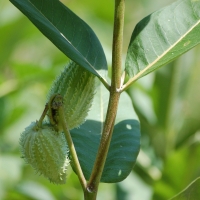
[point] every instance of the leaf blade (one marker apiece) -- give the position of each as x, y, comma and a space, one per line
125, 143
163, 36
59, 24
124, 148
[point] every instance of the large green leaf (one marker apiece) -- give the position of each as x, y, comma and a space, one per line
192, 192
125, 143
67, 31
162, 36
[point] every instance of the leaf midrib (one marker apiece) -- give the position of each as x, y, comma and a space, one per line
137, 76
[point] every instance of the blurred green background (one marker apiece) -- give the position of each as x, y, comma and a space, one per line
167, 102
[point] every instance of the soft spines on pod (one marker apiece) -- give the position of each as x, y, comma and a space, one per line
77, 86
46, 151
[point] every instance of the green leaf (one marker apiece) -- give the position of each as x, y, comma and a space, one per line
189, 193
163, 36
125, 143
67, 31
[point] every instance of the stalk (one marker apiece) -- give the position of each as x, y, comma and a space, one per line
43, 115
92, 186
72, 148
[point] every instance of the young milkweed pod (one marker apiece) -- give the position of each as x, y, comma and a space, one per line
46, 151
76, 86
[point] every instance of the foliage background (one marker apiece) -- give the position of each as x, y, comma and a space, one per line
167, 102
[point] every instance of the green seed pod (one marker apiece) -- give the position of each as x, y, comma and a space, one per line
76, 86
46, 151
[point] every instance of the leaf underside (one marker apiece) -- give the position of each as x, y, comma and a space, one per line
125, 143
67, 31
163, 36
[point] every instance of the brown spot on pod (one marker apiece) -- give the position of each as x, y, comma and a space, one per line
76, 86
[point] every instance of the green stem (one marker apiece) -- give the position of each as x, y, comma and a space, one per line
105, 83
130, 82
117, 44
104, 145
93, 183
72, 149
43, 115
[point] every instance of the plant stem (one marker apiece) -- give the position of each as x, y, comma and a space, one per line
72, 149
117, 44
46, 108
105, 83
104, 145
113, 101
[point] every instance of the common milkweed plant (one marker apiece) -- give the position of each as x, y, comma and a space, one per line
105, 146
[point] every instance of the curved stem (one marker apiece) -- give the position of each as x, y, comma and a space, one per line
72, 148
43, 115
105, 83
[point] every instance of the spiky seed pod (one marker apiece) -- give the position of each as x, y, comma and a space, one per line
46, 151
76, 85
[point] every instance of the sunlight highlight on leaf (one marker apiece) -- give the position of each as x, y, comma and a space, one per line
67, 32
163, 36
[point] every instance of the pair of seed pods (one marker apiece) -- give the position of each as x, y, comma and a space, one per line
44, 146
